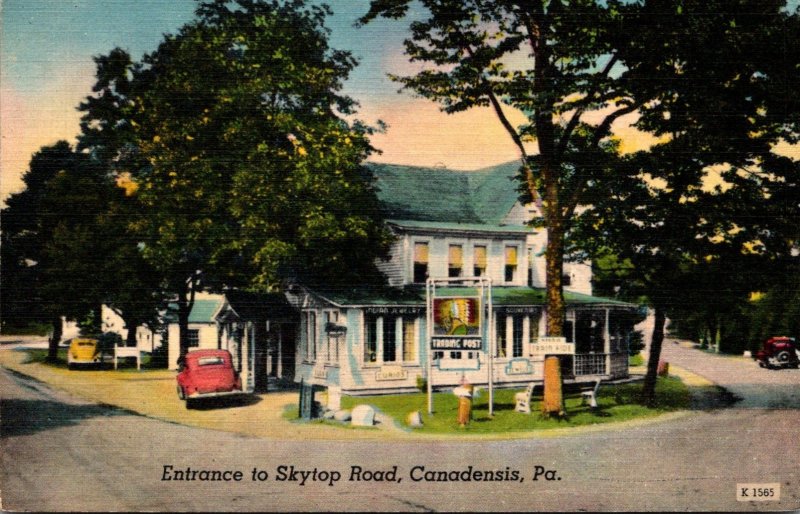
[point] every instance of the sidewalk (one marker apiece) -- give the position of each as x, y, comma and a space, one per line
152, 393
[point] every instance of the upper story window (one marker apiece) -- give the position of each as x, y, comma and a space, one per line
455, 261
420, 262
479, 261
511, 264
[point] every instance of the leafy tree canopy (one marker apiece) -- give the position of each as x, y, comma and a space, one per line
241, 151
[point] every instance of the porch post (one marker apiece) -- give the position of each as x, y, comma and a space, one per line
607, 342
280, 351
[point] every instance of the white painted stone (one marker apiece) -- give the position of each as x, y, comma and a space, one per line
363, 416
414, 419
342, 415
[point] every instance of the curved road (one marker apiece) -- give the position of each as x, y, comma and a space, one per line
754, 387
61, 453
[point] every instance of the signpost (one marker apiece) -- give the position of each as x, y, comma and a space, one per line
459, 323
552, 346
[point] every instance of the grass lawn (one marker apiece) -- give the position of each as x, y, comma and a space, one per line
34, 329
615, 403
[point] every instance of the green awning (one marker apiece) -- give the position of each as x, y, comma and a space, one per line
415, 295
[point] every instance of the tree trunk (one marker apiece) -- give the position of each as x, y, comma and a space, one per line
649, 388
554, 272
554, 252
185, 304
131, 326
554, 268
55, 338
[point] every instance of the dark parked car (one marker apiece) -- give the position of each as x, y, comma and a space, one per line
778, 352
207, 374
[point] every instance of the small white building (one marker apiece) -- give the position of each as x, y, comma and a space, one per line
202, 327
148, 339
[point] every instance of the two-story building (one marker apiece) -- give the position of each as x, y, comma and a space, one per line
455, 225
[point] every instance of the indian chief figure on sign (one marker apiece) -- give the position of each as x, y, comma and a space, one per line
456, 316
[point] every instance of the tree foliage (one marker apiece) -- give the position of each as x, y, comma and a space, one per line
704, 216
70, 247
242, 151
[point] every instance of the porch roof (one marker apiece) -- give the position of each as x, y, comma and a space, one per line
249, 306
202, 311
461, 227
415, 295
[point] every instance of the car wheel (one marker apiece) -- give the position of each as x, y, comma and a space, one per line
762, 364
189, 403
783, 357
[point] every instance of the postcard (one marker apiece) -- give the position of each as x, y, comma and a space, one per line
399, 255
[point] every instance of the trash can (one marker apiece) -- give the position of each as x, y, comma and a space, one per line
464, 393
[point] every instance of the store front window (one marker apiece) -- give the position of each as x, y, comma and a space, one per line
390, 339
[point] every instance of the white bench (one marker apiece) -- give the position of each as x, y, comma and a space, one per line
590, 395
121, 352
523, 399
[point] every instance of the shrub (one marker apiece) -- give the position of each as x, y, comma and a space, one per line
635, 343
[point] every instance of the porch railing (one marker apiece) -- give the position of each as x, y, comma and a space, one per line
614, 365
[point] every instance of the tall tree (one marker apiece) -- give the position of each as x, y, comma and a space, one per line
705, 78
718, 85
236, 137
701, 203
555, 62
24, 230
23, 234
46, 227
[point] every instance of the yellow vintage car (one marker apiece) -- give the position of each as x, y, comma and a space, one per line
83, 351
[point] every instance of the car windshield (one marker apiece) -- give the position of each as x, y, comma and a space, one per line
210, 361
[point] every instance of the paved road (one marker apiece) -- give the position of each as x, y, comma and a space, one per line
61, 453
754, 387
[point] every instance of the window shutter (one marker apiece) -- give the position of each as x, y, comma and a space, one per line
511, 255
480, 256
420, 252
456, 256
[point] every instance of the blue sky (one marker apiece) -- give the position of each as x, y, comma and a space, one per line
46, 49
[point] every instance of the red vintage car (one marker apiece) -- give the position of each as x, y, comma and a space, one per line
207, 374
778, 352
